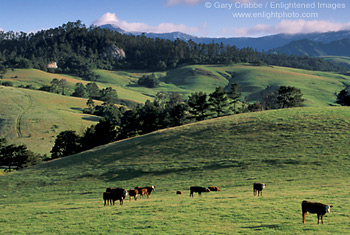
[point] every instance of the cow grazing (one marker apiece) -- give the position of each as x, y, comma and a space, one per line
214, 188
133, 193
145, 191
150, 190
199, 190
258, 187
179, 192
315, 208
113, 194
111, 197
142, 191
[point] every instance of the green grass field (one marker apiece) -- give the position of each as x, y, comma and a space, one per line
300, 153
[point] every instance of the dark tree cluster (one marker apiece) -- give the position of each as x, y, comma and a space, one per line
343, 97
150, 81
282, 97
16, 156
78, 50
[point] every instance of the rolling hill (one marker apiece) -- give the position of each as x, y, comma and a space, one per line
34, 117
300, 153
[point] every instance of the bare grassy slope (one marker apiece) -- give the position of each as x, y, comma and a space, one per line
34, 118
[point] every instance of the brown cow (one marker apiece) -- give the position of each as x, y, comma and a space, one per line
315, 208
258, 187
133, 193
145, 190
214, 188
179, 192
142, 191
199, 190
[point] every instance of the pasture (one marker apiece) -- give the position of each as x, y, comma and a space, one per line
301, 154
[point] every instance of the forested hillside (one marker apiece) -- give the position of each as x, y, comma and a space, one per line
77, 50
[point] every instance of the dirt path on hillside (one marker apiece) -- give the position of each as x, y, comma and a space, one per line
24, 106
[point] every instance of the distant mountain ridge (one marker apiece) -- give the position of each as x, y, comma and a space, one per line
260, 43
314, 48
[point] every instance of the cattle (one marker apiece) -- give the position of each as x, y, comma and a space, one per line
214, 188
199, 190
111, 197
315, 208
145, 190
133, 193
258, 187
142, 191
179, 192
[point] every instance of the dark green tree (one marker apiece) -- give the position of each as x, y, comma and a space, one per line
66, 143
289, 96
54, 85
131, 123
62, 84
109, 96
105, 132
198, 105
219, 102
150, 81
234, 95
343, 98
79, 90
93, 91
14, 156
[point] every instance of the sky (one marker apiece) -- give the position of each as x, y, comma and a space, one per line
204, 18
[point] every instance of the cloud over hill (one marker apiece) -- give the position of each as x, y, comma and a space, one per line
111, 18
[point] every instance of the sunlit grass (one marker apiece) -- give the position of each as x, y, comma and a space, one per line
301, 154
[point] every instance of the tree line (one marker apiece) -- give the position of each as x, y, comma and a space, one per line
169, 110
78, 50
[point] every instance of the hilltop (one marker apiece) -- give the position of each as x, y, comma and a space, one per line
301, 153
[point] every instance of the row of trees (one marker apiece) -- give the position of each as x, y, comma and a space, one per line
78, 50
168, 110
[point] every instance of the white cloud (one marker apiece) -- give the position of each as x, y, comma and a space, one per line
290, 27
111, 18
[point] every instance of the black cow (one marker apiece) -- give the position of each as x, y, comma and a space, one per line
258, 187
199, 190
315, 208
113, 194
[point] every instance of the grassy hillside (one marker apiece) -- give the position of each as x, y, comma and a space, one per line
34, 118
342, 60
318, 89
299, 153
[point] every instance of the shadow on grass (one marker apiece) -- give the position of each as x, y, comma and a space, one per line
259, 227
128, 174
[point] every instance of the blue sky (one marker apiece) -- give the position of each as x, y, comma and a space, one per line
210, 18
